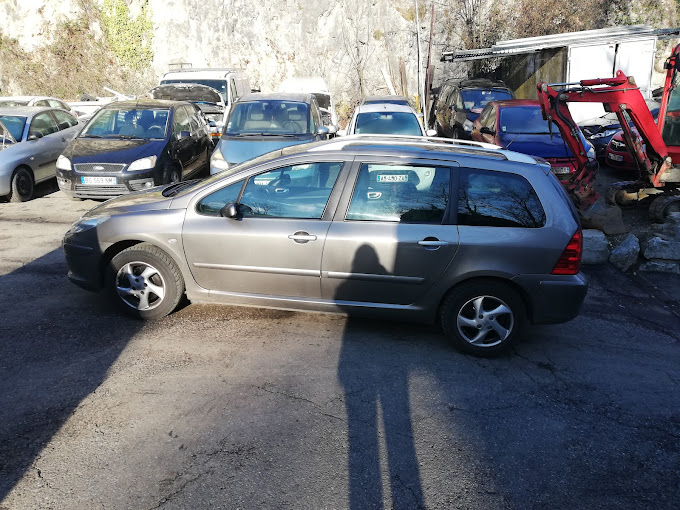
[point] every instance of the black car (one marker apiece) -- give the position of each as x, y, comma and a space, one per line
132, 145
460, 103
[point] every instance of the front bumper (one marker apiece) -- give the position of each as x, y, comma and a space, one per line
553, 299
83, 259
105, 185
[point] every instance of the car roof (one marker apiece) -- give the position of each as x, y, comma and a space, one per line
384, 107
144, 103
27, 98
385, 98
301, 97
26, 111
482, 83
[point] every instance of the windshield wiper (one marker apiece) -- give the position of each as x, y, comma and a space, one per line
129, 137
92, 136
260, 134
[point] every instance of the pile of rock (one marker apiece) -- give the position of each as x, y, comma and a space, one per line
658, 253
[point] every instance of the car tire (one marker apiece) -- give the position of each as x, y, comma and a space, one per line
467, 321
145, 282
663, 205
21, 187
172, 175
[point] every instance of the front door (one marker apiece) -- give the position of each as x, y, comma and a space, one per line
392, 241
275, 247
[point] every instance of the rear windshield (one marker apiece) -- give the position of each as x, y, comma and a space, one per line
15, 124
388, 123
218, 85
144, 123
268, 117
525, 120
478, 98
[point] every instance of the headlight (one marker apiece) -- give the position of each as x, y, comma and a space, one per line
63, 163
467, 125
217, 162
87, 223
605, 134
143, 164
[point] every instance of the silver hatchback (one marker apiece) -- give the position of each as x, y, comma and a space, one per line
480, 239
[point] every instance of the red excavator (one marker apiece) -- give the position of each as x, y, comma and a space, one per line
654, 147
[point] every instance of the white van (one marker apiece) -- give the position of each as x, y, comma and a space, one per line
231, 83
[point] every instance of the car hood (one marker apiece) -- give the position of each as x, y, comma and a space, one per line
111, 150
145, 200
535, 145
193, 92
237, 150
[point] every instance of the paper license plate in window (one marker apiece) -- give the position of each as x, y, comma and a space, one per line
393, 178
561, 169
615, 157
106, 181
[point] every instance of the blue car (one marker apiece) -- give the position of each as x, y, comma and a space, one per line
261, 123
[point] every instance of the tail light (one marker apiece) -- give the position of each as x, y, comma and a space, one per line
570, 260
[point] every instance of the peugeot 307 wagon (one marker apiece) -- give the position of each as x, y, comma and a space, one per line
480, 239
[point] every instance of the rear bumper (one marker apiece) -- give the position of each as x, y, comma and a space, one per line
553, 299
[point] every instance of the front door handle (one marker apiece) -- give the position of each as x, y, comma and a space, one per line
432, 243
302, 237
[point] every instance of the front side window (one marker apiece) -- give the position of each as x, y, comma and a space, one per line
298, 191
497, 199
180, 121
43, 124
400, 193
213, 203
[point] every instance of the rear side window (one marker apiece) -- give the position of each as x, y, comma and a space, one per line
497, 199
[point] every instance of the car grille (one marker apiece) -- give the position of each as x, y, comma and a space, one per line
99, 167
101, 191
617, 146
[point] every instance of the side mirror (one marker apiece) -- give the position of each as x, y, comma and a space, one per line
487, 131
431, 132
229, 211
332, 129
322, 130
184, 134
35, 136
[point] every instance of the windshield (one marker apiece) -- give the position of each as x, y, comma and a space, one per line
268, 117
525, 120
218, 85
15, 124
474, 99
145, 123
388, 123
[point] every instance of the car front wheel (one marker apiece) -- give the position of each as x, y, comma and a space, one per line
21, 186
483, 318
145, 282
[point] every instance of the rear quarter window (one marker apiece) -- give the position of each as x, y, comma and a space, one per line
497, 199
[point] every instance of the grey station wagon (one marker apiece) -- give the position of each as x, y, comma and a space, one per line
481, 239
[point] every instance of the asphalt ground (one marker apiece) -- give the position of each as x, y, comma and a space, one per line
225, 407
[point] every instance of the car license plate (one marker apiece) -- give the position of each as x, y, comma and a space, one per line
615, 157
561, 169
107, 181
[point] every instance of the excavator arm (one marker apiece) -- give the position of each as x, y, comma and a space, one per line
621, 96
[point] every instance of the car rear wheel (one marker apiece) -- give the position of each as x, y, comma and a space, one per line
21, 189
145, 282
483, 318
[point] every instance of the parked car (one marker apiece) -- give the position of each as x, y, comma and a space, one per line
318, 88
460, 103
33, 138
384, 119
518, 125
132, 145
259, 123
208, 100
599, 131
617, 154
48, 102
477, 238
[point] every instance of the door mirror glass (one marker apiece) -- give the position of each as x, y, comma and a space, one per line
322, 130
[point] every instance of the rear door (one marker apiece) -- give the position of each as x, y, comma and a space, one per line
391, 239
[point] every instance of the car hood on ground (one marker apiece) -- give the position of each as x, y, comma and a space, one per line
192, 92
535, 145
238, 150
111, 150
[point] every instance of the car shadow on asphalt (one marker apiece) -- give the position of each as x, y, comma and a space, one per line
58, 344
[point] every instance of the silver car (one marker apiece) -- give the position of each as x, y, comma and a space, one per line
37, 136
480, 239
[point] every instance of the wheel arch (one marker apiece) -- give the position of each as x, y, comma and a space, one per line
124, 244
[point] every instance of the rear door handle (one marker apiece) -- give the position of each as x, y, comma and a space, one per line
432, 243
302, 237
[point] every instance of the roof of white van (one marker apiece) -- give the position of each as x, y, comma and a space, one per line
304, 84
215, 73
